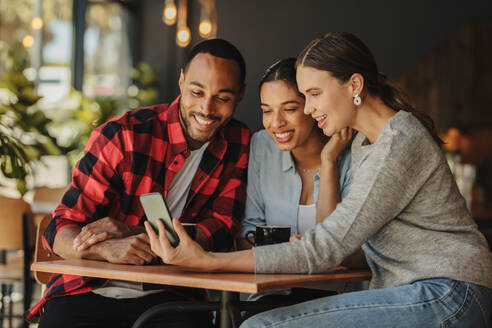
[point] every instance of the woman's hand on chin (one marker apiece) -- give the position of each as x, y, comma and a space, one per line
336, 145
188, 253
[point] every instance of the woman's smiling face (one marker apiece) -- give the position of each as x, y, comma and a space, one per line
283, 115
328, 101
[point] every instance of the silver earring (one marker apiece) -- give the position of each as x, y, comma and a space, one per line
357, 100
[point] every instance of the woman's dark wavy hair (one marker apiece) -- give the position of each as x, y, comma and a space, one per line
282, 70
343, 54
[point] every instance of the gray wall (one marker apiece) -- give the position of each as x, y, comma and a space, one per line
398, 32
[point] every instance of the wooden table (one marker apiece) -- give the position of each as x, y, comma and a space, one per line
229, 283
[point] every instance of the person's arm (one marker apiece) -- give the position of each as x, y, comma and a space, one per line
329, 189
63, 245
386, 181
190, 254
384, 184
329, 195
356, 260
134, 249
103, 229
329, 185
95, 188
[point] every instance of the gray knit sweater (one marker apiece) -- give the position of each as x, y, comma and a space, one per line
403, 208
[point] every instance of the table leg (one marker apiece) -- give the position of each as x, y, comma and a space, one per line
229, 310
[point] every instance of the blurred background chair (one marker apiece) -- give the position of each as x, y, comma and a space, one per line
44, 201
41, 254
16, 245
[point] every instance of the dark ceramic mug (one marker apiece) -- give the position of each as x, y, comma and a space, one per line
268, 234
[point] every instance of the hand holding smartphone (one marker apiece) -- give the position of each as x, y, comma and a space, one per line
156, 209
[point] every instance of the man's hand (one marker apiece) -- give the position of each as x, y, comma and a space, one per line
129, 250
103, 229
335, 145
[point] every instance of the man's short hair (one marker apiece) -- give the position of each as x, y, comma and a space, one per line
218, 48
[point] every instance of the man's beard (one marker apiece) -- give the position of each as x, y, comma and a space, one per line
185, 126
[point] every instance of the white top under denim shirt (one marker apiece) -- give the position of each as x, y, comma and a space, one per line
274, 186
274, 189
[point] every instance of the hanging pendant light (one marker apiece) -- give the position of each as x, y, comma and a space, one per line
208, 22
37, 23
205, 28
183, 34
169, 13
28, 41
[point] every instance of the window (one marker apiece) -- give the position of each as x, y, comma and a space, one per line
107, 60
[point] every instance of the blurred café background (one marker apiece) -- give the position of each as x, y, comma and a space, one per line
67, 66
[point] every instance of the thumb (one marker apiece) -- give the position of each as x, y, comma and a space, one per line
180, 230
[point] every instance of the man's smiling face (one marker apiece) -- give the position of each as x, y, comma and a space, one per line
211, 88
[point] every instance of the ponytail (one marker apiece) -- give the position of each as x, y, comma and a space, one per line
395, 98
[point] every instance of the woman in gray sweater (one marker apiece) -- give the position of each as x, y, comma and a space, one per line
431, 266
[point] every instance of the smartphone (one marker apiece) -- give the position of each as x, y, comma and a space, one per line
156, 209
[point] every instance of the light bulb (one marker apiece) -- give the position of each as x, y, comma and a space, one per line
28, 41
169, 14
37, 23
183, 36
205, 28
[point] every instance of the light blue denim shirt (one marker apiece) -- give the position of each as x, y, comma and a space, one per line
274, 186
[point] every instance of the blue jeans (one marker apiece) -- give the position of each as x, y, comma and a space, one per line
426, 303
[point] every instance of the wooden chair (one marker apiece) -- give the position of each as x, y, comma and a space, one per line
41, 254
47, 194
16, 233
45, 200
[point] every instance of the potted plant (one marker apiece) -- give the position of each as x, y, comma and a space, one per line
24, 137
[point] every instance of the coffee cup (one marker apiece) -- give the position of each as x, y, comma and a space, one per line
268, 234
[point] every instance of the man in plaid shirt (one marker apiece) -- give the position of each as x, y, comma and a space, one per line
192, 152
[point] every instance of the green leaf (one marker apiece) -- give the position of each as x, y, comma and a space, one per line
7, 84
21, 186
19, 80
28, 96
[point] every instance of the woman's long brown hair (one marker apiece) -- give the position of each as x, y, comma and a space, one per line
343, 54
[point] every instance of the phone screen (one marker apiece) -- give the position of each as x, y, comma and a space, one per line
155, 208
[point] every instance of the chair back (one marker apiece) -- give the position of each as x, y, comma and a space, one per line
44, 201
41, 254
12, 213
17, 232
48, 195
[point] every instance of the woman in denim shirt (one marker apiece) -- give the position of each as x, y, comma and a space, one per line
292, 164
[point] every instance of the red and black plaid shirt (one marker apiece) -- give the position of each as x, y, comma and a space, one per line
139, 153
